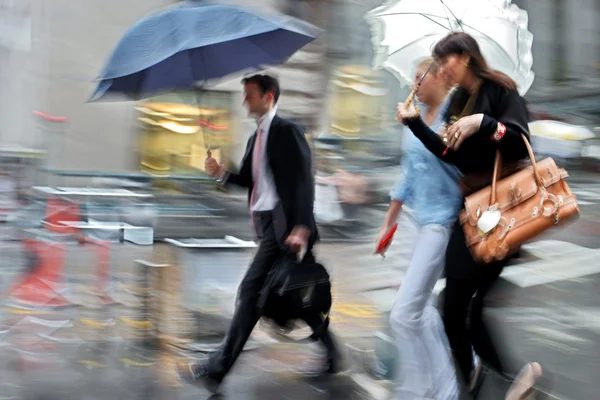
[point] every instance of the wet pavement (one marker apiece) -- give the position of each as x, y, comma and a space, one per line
546, 308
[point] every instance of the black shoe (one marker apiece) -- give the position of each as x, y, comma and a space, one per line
334, 365
199, 375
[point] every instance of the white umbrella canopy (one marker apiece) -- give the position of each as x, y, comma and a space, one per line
406, 31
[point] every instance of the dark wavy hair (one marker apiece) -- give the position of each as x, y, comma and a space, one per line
460, 43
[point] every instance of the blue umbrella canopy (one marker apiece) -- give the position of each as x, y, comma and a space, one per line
196, 42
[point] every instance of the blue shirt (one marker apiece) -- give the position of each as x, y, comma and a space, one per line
428, 185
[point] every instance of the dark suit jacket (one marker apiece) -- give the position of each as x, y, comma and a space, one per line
290, 160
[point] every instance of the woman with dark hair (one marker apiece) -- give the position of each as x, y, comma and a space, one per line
486, 113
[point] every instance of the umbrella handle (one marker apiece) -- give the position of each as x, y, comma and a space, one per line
410, 97
413, 93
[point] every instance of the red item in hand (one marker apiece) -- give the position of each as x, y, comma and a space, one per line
385, 242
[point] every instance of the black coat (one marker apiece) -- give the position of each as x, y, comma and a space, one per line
290, 160
478, 152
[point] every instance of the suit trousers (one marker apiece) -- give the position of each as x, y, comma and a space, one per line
246, 315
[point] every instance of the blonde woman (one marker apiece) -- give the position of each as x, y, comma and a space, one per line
430, 188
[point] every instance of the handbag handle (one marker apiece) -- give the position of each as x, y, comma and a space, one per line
498, 166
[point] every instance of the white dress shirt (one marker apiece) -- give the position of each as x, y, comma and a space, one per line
266, 193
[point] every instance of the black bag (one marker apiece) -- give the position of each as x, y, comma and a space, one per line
296, 290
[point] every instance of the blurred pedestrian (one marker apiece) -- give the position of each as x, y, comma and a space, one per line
425, 368
486, 114
277, 172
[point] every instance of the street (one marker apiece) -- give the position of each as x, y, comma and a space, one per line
137, 137
545, 308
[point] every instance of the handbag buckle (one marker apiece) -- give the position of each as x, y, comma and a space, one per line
548, 198
507, 227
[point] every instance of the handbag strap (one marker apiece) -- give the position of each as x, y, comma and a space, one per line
498, 166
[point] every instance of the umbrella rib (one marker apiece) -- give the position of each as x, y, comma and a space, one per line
470, 27
417, 13
447, 18
492, 40
411, 42
460, 22
250, 39
454, 15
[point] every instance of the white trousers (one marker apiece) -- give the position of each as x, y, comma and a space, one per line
425, 367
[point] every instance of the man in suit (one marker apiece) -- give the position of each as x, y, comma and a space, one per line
277, 171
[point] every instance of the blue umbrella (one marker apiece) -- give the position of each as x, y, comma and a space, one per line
198, 42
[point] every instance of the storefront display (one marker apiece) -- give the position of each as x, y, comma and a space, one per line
177, 134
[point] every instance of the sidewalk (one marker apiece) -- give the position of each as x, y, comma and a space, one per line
549, 320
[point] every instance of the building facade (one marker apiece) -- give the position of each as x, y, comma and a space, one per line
50, 51
67, 43
566, 59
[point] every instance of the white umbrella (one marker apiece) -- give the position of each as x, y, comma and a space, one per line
407, 30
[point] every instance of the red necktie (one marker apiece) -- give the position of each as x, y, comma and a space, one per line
256, 160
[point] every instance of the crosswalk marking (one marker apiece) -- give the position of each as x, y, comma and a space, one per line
555, 261
554, 248
558, 261
587, 197
547, 271
594, 193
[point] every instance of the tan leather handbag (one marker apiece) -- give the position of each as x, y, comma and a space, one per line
499, 218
